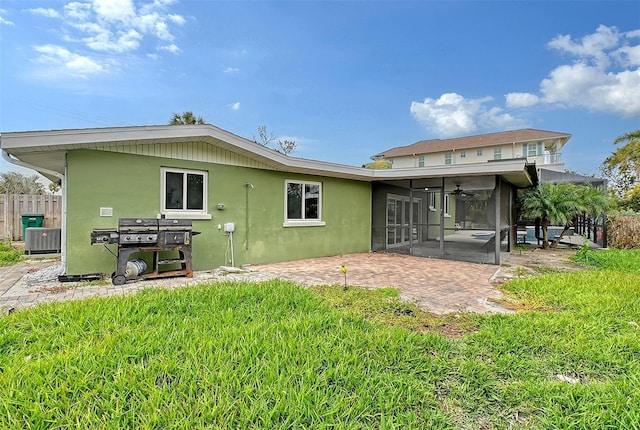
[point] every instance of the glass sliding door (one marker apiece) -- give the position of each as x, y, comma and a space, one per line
399, 221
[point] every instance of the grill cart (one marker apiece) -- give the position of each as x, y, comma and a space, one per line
148, 235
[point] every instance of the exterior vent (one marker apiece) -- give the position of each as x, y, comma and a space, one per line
42, 240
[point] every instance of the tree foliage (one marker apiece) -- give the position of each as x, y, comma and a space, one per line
17, 183
560, 203
631, 199
622, 168
186, 118
628, 155
266, 138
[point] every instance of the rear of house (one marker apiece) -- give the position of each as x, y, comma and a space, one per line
209, 176
280, 208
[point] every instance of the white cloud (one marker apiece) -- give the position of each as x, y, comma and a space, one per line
105, 41
77, 11
628, 56
110, 27
235, 106
453, 115
171, 48
117, 26
590, 87
176, 19
4, 21
115, 10
67, 62
522, 99
49, 13
231, 70
592, 46
604, 76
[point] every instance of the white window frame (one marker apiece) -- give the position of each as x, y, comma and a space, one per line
463, 154
302, 222
447, 202
421, 161
184, 213
534, 149
479, 152
448, 158
432, 201
497, 153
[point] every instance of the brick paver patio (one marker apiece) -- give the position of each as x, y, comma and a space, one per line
440, 286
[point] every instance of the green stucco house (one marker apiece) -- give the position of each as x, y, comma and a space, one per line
283, 208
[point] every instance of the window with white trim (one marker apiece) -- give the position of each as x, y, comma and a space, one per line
303, 203
421, 161
463, 154
497, 153
479, 152
532, 149
432, 201
447, 158
183, 191
446, 205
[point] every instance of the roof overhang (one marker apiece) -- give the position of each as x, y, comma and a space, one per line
46, 150
515, 171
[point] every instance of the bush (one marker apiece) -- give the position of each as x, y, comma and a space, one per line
624, 231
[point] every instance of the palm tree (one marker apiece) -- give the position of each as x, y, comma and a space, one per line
186, 118
627, 156
560, 204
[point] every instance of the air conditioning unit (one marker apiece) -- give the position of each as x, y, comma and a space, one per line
41, 240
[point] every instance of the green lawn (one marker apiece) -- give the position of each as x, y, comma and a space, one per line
9, 255
274, 355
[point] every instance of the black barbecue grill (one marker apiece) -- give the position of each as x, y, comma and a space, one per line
148, 235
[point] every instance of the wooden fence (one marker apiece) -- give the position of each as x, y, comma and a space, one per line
12, 206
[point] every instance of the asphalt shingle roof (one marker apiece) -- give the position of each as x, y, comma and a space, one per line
477, 141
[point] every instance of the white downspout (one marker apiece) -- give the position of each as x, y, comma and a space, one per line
63, 233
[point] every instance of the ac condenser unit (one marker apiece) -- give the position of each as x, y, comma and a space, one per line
42, 240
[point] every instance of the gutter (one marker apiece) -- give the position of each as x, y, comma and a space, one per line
63, 236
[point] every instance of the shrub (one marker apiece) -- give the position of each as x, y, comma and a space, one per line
624, 231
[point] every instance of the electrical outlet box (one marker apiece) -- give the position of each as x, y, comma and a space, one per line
229, 227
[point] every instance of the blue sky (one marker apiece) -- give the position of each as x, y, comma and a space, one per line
344, 79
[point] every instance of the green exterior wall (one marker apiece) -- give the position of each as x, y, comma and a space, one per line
131, 185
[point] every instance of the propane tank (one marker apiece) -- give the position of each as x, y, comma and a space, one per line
135, 268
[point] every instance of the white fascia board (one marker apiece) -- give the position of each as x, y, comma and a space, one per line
31, 141
468, 169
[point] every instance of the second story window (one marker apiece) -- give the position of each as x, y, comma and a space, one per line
532, 149
497, 154
421, 161
479, 152
447, 158
463, 154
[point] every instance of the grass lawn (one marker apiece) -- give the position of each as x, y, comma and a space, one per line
9, 254
274, 355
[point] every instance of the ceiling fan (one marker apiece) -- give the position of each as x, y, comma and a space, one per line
460, 192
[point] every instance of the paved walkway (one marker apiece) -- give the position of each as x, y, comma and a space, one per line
440, 286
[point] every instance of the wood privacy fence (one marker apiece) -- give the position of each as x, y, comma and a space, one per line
12, 206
